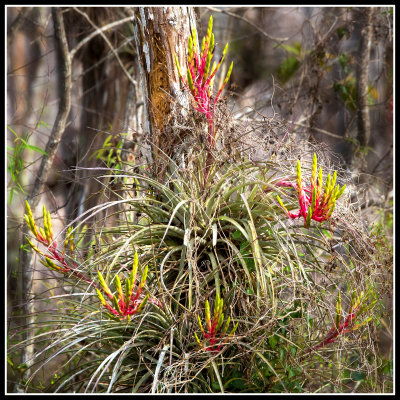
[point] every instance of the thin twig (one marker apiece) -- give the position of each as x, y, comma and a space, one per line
99, 31
267, 35
158, 368
321, 131
384, 157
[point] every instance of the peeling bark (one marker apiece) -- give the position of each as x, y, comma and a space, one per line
160, 33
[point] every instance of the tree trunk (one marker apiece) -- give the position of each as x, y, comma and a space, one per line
160, 33
363, 118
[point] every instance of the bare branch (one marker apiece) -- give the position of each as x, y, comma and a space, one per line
100, 31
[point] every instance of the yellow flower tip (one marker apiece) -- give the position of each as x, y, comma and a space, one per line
144, 277
228, 75
100, 296
135, 260
225, 51
212, 41
143, 303
28, 209
197, 338
298, 169
210, 25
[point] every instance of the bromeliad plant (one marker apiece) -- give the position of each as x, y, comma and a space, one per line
214, 340
194, 241
209, 226
313, 203
128, 303
200, 78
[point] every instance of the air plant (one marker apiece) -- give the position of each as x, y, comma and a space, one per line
127, 303
313, 203
215, 341
53, 258
200, 78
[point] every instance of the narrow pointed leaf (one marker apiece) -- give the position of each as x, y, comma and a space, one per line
338, 311
142, 304
208, 319
116, 304
226, 325
119, 288
308, 219
234, 328
200, 324
144, 277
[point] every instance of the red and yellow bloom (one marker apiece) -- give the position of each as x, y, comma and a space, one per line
200, 78
315, 203
53, 258
214, 342
128, 302
358, 305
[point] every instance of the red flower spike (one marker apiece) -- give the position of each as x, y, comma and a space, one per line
200, 79
357, 306
126, 304
214, 342
45, 237
313, 204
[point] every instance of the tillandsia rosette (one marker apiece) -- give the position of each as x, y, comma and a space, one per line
200, 78
53, 258
359, 304
129, 302
214, 340
315, 203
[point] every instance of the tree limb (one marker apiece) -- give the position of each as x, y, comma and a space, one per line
26, 263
